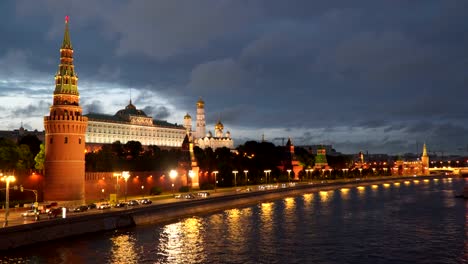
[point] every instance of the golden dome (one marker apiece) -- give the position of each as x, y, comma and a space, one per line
200, 103
219, 125
187, 116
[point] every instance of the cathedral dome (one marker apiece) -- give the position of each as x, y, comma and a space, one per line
219, 125
200, 103
187, 116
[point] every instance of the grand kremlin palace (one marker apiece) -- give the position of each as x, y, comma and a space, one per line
132, 124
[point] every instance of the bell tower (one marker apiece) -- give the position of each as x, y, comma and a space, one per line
201, 124
65, 130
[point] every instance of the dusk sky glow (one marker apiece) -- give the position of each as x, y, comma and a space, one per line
376, 76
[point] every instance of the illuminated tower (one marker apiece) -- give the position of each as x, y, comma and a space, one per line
201, 124
65, 130
321, 158
219, 129
188, 123
293, 163
425, 161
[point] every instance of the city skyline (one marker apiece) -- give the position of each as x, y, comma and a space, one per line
376, 77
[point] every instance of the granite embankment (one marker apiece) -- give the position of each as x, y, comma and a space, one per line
41, 231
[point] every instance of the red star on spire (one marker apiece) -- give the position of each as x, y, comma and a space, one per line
66, 19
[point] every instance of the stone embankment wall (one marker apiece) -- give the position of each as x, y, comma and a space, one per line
22, 235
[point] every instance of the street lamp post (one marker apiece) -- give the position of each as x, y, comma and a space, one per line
117, 186
7, 179
173, 175
289, 175
125, 175
191, 174
216, 180
142, 191
267, 172
246, 179
235, 177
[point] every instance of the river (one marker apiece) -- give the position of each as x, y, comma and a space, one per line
416, 221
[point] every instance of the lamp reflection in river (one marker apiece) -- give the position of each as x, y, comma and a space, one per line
178, 241
123, 249
308, 198
344, 193
324, 196
289, 203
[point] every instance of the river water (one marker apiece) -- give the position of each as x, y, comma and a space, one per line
410, 222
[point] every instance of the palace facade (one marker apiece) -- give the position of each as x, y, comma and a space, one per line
132, 124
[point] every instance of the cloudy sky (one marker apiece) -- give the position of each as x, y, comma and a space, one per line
376, 76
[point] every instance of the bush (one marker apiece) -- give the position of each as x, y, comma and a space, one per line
184, 189
156, 190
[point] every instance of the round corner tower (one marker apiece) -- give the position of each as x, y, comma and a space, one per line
65, 130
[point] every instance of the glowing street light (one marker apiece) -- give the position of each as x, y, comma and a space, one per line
289, 175
216, 181
266, 175
191, 174
7, 179
235, 177
125, 175
246, 179
173, 175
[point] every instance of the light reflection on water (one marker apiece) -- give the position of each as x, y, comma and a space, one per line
390, 223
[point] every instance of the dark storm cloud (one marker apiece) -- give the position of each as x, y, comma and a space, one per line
37, 109
95, 106
157, 112
362, 74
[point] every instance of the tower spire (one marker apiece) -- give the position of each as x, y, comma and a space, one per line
424, 150
66, 44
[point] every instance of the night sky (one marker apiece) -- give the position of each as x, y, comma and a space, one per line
375, 76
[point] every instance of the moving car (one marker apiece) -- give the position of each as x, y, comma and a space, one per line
145, 201
29, 213
120, 204
103, 206
132, 203
81, 208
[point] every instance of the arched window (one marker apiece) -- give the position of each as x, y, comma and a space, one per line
79, 141
51, 140
66, 140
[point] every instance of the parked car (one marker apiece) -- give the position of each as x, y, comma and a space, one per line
132, 203
92, 206
145, 201
81, 208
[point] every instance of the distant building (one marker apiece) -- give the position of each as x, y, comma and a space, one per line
312, 149
17, 134
208, 140
132, 124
